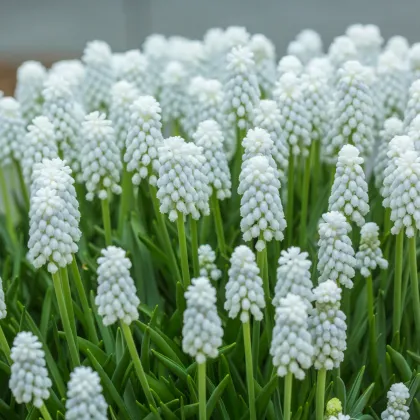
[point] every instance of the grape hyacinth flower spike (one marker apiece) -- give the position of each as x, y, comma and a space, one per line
206, 263
397, 408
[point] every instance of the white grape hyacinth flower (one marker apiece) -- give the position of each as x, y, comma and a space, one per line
134, 69
306, 45
73, 72
116, 296
261, 210
100, 157
412, 109
202, 331
289, 63
207, 263
369, 256
209, 137
144, 139
258, 142
336, 259
155, 48
291, 345
397, 408
349, 193
328, 327
29, 380
84, 396
3, 308
341, 50
368, 42
399, 45
294, 276
244, 289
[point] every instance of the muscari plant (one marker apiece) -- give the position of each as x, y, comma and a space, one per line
197, 230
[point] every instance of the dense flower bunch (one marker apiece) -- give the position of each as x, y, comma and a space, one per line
73, 72
155, 48
397, 399
134, 69
413, 103
334, 410
258, 142
368, 41
289, 63
341, 50
206, 262
306, 45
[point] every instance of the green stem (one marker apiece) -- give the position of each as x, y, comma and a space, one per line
22, 184
320, 393
202, 391
290, 193
106, 218
44, 411
305, 197
288, 380
8, 209
5, 346
414, 281
263, 266
371, 319
218, 223
74, 354
183, 250
316, 172
126, 199
194, 246
399, 249
67, 296
249, 369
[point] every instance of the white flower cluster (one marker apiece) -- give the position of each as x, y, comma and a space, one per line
116, 295
413, 103
84, 396
353, 121
241, 88
289, 63
73, 72
209, 137
368, 41
3, 309
202, 332
261, 208
206, 263
31, 76
155, 48
369, 255
396, 408
335, 255
306, 45
100, 157
134, 68
123, 95
294, 120
414, 60
53, 216
144, 139
321, 66
99, 76
341, 50
399, 45
349, 193
183, 187
258, 142
244, 290
334, 410
294, 276
29, 381
291, 346
328, 326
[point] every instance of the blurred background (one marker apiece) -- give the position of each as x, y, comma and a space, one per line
48, 30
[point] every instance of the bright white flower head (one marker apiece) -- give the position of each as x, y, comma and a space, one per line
397, 408
414, 60
144, 139
349, 193
155, 48
368, 41
399, 45
413, 104
12, 130
369, 255
100, 157
328, 326
262, 214
244, 290
202, 332
289, 64
294, 276
335, 255
209, 137
341, 50
267, 116
307, 45
123, 95
258, 142
3, 309
241, 89
291, 346
29, 381
134, 69
30, 83
321, 66
183, 187
353, 121
189, 52
116, 295
99, 76
294, 121
73, 72
206, 263
84, 396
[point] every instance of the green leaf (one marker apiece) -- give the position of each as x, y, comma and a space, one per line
105, 332
215, 396
413, 387
355, 389
263, 397
174, 367
187, 412
119, 345
46, 311
340, 390
362, 401
400, 363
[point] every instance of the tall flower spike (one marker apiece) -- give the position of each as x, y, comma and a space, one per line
294, 276
413, 104
134, 69
206, 263
368, 42
294, 120
291, 346
209, 137
397, 408
84, 396
73, 72
202, 332
289, 63
328, 327
99, 76
116, 295
258, 142
244, 290
353, 118
3, 309
341, 50
100, 157
182, 185
261, 208
30, 83
241, 89
144, 139
155, 48
414, 60
349, 193
29, 381
307, 45
369, 255
335, 255
123, 95
267, 116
